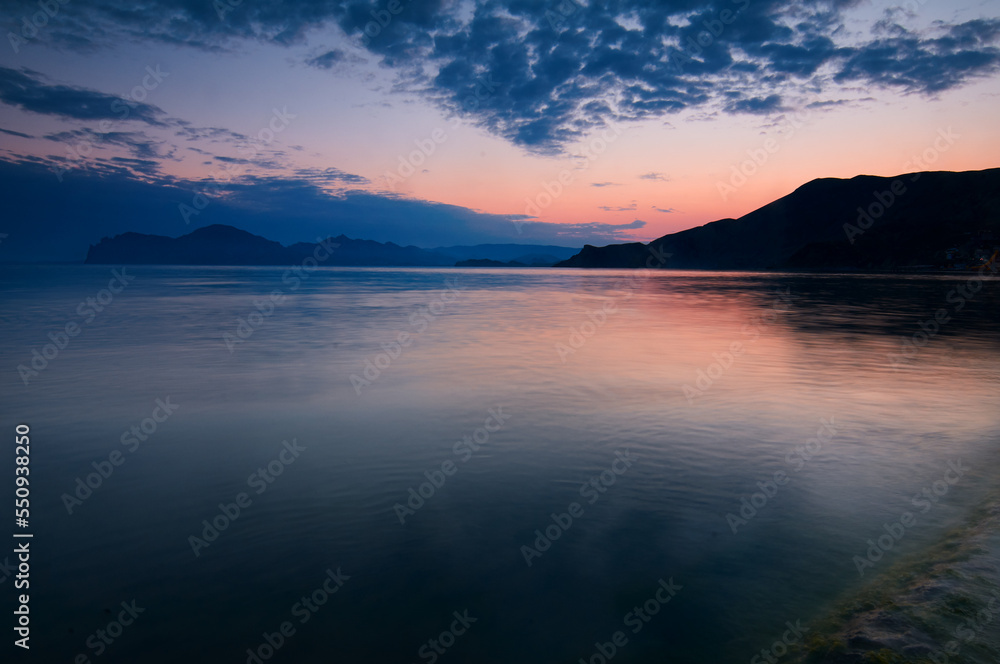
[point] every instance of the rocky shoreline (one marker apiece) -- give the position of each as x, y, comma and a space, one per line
942, 605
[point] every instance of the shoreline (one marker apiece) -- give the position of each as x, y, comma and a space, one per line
938, 605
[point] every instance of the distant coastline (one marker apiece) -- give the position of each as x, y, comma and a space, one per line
225, 245
866, 224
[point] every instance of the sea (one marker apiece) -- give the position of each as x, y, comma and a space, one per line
319, 465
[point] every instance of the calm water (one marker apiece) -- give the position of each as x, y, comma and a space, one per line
813, 348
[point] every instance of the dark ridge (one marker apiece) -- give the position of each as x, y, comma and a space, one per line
933, 220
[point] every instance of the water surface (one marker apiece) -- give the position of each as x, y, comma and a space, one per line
583, 365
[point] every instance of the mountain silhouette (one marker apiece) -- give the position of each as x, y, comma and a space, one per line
225, 245
918, 220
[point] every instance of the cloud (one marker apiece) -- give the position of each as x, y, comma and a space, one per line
27, 90
831, 103
630, 208
926, 64
141, 146
579, 234
187, 131
756, 105
30, 91
15, 133
328, 59
333, 176
542, 75
654, 176
605, 184
335, 58
664, 210
144, 166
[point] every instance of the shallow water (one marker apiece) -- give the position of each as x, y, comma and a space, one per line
582, 365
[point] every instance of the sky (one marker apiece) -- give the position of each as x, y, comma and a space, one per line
440, 122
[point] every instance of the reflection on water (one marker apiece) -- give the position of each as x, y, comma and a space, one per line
716, 383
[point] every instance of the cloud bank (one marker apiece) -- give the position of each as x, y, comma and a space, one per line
543, 74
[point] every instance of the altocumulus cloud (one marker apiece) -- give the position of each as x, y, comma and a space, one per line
29, 91
557, 70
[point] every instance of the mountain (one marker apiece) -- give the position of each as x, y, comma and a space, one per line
211, 245
224, 245
505, 253
930, 219
360, 253
489, 262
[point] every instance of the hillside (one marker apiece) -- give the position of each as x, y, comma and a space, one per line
225, 245
933, 219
